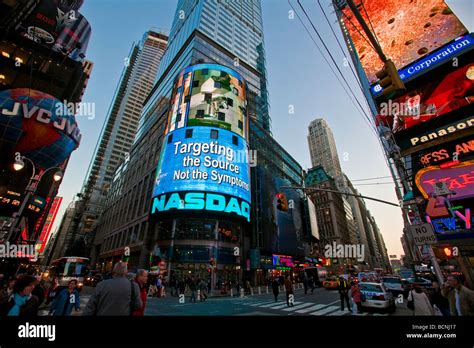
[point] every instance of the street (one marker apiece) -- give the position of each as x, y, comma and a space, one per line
322, 302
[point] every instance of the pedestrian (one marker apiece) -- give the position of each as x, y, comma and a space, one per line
116, 296
343, 288
173, 286
247, 287
438, 301
311, 283
356, 298
305, 283
182, 286
158, 286
275, 288
460, 298
53, 291
418, 302
21, 301
289, 291
38, 290
193, 287
203, 288
141, 280
66, 300
7, 291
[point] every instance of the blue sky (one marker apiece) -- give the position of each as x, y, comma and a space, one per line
298, 78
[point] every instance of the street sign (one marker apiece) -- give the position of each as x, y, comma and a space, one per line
423, 234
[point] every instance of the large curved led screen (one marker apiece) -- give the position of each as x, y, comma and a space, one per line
38, 126
203, 163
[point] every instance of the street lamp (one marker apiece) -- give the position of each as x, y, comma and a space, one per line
30, 190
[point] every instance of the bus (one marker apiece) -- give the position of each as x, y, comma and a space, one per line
67, 268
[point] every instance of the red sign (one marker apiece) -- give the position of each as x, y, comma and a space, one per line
48, 224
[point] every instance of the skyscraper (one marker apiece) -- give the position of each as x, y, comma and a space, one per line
119, 130
322, 149
228, 33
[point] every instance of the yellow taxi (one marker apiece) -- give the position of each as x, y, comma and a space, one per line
330, 283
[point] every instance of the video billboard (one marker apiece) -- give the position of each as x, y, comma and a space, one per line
60, 26
38, 126
443, 94
48, 224
204, 163
406, 30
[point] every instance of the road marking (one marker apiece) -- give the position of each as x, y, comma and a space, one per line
262, 303
325, 310
281, 305
311, 309
277, 305
380, 314
291, 309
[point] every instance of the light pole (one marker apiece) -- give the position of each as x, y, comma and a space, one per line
30, 190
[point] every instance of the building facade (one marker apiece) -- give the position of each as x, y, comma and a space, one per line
119, 130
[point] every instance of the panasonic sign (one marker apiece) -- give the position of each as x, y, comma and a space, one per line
459, 45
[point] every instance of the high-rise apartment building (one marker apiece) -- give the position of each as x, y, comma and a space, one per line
120, 128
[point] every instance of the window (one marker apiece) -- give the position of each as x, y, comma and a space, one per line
196, 83
187, 98
221, 116
235, 91
241, 125
230, 102
223, 74
217, 84
189, 133
170, 138
235, 140
214, 134
207, 97
200, 114
178, 118
205, 71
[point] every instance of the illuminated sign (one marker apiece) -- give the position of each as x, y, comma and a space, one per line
447, 152
283, 261
210, 202
459, 221
204, 162
459, 45
406, 30
437, 133
48, 224
443, 94
459, 178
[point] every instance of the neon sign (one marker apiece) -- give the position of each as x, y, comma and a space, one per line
457, 222
283, 261
444, 154
459, 178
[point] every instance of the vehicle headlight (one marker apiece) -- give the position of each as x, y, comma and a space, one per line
80, 284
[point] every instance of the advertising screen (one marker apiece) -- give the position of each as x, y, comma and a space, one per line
204, 163
406, 30
59, 26
38, 126
48, 224
441, 95
449, 194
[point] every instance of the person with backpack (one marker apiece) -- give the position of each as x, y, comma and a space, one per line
116, 297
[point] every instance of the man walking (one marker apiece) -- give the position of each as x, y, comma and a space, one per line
141, 280
116, 296
289, 291
343, 288
460, 298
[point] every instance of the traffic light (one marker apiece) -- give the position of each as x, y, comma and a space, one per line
390, 80
448, 251
282, 202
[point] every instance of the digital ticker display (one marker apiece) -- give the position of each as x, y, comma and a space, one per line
205, 167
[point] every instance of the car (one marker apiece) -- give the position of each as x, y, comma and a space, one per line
92, 278
368, 277
376, 296
330, 283
423, 282
394, 285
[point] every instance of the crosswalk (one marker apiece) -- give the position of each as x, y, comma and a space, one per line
305, 308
